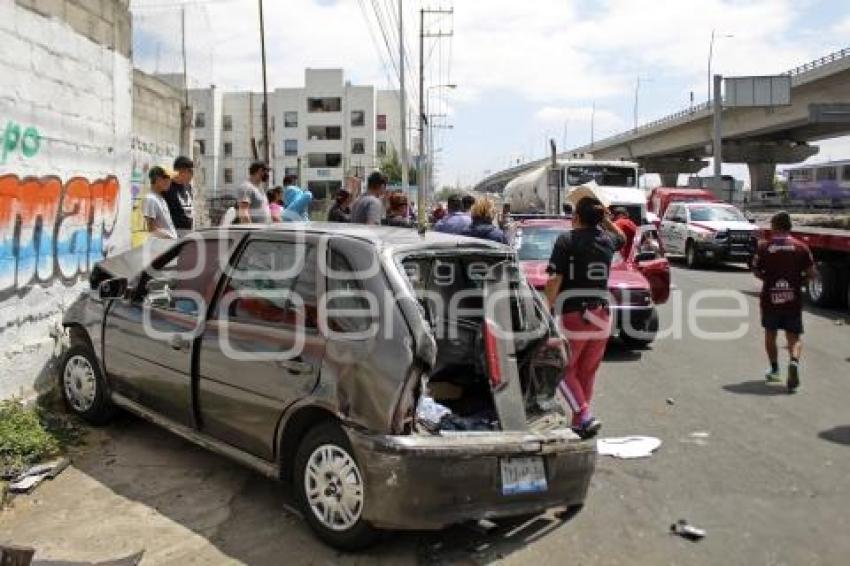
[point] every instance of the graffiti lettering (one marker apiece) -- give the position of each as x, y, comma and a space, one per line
52, 231
27, 141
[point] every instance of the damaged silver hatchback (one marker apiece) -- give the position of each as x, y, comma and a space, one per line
394, 380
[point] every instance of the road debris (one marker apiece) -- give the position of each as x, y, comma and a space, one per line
32, 477
628, 447
671, 401
686, 530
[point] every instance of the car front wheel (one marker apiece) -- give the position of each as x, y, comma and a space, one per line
83, 388
691, 256
331, 489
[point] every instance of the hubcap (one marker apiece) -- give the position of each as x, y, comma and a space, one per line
334, 487
816, 288
80, 383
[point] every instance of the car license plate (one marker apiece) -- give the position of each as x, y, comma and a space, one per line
523, 475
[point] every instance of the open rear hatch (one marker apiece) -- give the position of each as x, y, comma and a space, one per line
499, 358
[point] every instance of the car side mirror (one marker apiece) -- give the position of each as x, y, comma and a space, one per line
645, 256
112, 288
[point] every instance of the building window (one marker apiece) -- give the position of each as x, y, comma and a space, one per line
227, 123
825, 174
290, 119
228, 176
324, 104
358, 118
382, 149
381, 122
324, 160
200, 120
290, 172
323, 189
358, 146
228, 149
290, 148
202, 147
324, 133
358, 171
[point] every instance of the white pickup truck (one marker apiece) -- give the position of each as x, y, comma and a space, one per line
707, 231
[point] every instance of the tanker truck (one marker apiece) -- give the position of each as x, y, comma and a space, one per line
544, 190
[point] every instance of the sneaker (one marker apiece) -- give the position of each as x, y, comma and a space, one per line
793, 377
772, 376
588, 429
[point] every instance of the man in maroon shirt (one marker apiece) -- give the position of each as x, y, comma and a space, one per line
783, 263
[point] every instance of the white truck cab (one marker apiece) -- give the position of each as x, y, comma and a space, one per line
707, 231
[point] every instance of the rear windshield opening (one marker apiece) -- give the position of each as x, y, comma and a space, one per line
451, 292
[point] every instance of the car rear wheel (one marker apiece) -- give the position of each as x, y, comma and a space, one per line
83, 388
331, 489
825, 288
691, 256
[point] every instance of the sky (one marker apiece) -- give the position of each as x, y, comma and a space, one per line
525, 71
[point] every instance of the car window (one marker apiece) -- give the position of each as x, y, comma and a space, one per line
716, 214
184, 278
273, 282
536, 243
348, 307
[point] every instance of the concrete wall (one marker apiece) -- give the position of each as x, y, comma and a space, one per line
156, 135
65, 106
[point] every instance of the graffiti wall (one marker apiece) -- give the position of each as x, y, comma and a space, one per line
65, 191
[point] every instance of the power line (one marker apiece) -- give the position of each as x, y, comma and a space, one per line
375, 43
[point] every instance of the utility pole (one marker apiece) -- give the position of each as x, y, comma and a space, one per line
423, 119
405, 187
265, 90
592, 119
637, 91
717, 140
186, 114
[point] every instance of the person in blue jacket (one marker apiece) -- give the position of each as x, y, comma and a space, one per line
296, 201
483, 213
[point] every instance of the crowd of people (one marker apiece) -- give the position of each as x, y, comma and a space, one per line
168, 207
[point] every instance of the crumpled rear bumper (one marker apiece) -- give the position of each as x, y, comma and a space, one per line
429, 482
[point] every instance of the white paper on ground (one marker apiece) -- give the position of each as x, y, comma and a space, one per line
628, 446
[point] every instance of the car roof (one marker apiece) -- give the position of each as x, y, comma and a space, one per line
384, 237
689, 204
544, 222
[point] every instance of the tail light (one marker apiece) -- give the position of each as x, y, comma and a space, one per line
491, 350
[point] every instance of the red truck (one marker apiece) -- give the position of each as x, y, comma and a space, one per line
661, 197
831, 250
637, 283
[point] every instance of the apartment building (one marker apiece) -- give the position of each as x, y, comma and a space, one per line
323, 132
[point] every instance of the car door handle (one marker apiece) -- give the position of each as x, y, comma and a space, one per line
296, 366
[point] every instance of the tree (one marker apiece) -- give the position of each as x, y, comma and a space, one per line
391, 167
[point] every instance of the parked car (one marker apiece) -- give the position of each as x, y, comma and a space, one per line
353, 362
708, 231
637, 283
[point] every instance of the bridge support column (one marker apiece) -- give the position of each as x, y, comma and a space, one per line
761, 176
669, 179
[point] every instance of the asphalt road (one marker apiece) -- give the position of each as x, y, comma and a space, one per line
767, 474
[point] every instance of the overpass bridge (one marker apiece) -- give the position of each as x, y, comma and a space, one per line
759, 137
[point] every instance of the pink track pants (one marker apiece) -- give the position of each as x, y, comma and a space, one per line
587, 341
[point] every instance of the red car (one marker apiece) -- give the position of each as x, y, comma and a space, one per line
637, 283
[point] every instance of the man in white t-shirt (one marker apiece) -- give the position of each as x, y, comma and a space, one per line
155, 209
251, 199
